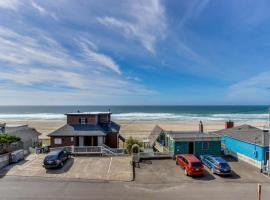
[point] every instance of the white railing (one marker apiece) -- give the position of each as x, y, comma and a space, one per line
86, 149
114, 150
92, 150
155, 154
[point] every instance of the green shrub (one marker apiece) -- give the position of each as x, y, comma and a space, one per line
8, 139
130, 142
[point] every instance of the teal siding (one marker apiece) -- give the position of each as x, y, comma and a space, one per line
250, 150
180, 147
214, 148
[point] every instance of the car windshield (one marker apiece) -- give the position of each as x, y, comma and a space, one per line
196, 164
50, 157
224, 165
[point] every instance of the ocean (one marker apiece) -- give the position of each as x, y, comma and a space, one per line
144, 113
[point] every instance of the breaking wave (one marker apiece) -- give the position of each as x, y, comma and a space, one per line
146, 116
190, 117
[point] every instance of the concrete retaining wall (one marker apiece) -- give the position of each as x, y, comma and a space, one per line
244, 158
4, 160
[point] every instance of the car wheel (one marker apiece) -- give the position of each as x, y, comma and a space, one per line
61, 164
186, 173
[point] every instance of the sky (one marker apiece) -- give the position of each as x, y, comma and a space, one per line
143, 52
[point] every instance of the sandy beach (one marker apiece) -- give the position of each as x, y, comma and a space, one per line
136, 129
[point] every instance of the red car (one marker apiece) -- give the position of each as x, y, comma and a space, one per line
190, 164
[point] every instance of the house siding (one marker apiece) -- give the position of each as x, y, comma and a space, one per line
112, 140
66, 141
180, 147
91, 119
250, 150
214, 148
103, 118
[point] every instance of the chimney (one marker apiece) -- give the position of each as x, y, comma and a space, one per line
265, 138
201, 127
229, 124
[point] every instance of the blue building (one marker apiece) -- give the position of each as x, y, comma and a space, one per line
247, 143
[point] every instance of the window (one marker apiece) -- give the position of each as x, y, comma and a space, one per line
83, 120
57, 140
71, 139
205, 145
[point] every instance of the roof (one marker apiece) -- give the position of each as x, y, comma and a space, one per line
86, 130
247, 133
219, 159
54, 152
88, 113
21, 129
190, 157
191, 134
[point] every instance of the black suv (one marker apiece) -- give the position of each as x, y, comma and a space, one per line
56, 158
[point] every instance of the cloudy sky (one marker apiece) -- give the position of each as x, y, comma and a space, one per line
134, 52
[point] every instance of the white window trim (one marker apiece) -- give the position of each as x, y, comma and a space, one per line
57, 140
205, 142
83, 120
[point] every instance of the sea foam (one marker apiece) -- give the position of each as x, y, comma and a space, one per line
146, 116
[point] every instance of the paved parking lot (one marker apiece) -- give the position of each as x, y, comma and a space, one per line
91, 168
166, 171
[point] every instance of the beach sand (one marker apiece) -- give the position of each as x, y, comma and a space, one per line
136, 129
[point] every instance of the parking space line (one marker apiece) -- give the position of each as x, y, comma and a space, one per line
109, 168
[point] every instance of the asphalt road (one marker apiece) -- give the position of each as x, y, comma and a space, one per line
49, 188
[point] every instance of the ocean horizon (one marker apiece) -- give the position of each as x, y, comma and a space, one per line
142, 113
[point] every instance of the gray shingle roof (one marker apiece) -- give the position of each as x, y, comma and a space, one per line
191, 134
85, 130
88, 113
247, 133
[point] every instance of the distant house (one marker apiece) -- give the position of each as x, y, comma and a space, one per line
246, 142
29, 136
186, 142
87, 129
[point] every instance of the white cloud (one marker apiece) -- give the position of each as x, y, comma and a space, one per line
43, 11
10, 4
100, 58
147, 22
51, 68
55, 77
18, 49
253, 90
193, 10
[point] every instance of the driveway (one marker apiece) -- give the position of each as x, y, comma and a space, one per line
166, 171
90, 168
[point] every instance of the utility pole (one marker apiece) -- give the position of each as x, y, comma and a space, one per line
268, 161
269, 119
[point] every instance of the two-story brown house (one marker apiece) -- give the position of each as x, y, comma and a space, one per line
87, 129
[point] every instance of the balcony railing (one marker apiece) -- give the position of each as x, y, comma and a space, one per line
92, 150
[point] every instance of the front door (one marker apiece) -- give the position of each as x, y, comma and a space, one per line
191, 147
90, 140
